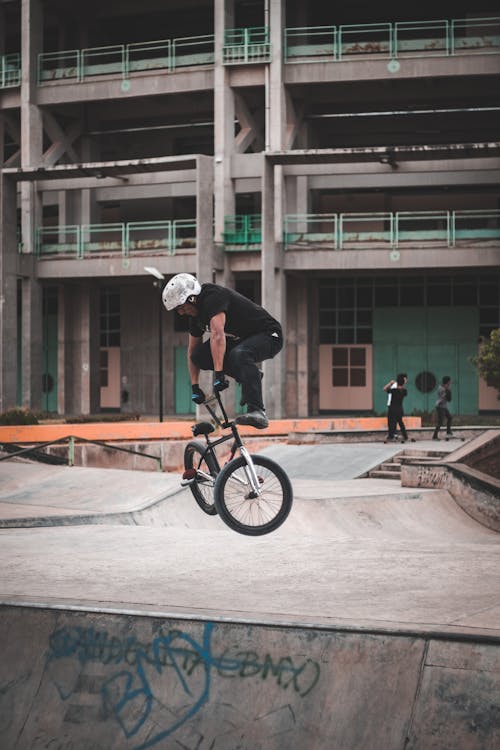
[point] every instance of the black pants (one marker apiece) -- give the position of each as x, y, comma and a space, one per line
240, 362
395, 418
442, 414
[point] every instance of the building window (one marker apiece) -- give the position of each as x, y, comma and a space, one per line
348, 367
345, 312
346, 305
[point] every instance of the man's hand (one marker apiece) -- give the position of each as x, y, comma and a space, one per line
197, 394
220, 382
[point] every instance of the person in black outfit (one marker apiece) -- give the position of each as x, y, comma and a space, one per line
242, 334
442, 411
396, 391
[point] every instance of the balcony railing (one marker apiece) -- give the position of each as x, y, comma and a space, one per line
242, 232
342, 231
10, 70
249, 45
393, 40
141, 237
124, 59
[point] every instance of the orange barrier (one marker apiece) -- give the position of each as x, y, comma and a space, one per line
181, 430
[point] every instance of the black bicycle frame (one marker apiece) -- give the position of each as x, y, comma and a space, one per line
224, 424
237, 443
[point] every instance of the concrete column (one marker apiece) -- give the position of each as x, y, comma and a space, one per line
8, 294
61, 350
209, 259
31, 347
2, 129
302, 200
31, 203
302, 364
276, 119
273, 291
82, 371
2, 31
31, 117
88, 205
224, 114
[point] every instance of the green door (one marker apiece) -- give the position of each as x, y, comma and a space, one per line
182, 384
426, 343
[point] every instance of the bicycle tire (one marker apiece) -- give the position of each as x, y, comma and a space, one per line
203, 491
260, 515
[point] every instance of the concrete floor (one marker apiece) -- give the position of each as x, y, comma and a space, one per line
129, 619
359, 551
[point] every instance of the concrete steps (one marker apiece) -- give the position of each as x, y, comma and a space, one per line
391, 469
387, 470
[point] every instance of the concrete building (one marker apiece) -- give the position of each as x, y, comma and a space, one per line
338, 164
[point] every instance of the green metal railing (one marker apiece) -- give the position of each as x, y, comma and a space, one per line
35, 451
393, 40
124, 59
125, 238
250, 45
391, 229
242, 232
10, 70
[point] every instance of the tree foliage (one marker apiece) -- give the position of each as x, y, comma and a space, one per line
488, 360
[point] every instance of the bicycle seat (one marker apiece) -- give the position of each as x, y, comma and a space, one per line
202, 428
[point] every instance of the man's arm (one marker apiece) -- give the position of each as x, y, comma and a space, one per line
194, 370
389, 384
218, 340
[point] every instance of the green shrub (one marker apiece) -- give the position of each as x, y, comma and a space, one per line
18, 415
488, 360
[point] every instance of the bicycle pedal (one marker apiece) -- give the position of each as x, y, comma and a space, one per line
188, 477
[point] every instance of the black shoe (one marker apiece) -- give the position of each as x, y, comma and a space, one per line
435, 437
254, 418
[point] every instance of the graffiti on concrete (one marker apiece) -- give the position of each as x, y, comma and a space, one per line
136, 672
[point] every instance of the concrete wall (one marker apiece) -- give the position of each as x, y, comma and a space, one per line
82, 680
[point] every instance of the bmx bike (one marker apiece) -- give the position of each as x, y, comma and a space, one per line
252, 494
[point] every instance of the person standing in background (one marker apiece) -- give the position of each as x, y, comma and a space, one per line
396, 393
442, 411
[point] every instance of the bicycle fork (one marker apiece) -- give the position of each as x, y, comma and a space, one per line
251, 474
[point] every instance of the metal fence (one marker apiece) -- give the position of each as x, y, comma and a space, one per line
391, 229
249, 45
242, 232
85, 240
393, 40
10, 70
124, 59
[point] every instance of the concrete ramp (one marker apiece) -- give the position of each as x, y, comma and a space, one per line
95, 681
130, 620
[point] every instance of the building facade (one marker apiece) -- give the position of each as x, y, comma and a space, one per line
337, 164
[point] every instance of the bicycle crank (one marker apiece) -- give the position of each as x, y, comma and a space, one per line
194, 475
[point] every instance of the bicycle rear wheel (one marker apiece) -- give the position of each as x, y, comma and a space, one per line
206, 469
247, 514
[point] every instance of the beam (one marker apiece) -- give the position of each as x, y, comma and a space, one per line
101, 169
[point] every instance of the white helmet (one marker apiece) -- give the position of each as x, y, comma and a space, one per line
179, 289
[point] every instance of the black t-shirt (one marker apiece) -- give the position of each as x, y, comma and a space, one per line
243, 317
397, 396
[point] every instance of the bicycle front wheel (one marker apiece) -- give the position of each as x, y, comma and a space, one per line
243, 510
206, 469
